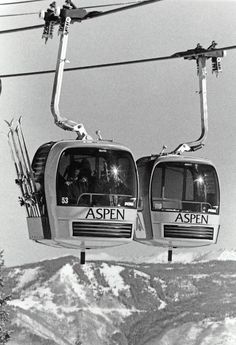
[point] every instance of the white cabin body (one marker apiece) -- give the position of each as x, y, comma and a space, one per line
180, 202
88, 192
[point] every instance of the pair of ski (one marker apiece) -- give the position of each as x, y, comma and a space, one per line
25, 175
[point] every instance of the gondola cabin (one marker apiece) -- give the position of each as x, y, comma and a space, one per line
87, 193
180, 202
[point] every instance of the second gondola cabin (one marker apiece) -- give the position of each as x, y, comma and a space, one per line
87, 194
180, 201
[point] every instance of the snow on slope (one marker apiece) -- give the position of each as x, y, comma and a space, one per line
69, 297
179, 256
205, 332
60, 302
24, 277
113, 278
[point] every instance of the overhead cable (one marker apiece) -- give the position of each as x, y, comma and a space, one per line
110, 5
18, 2
94, 6
87, 7
185, 54
70, 69
124, 8
91, 16
25, 28
17, 14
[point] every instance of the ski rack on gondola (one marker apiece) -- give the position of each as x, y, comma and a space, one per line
25, 175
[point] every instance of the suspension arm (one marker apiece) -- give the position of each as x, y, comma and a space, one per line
202, 74
61, 121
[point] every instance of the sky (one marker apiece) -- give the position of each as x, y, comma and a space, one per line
141, 106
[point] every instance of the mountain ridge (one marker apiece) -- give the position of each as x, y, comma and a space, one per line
179, 256
60, 302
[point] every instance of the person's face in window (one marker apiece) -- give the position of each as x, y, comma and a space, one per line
73, 175
76, 173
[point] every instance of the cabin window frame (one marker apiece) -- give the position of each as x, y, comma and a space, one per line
187, 189
97, 154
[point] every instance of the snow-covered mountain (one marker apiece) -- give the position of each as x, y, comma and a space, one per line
179, 256
60, 302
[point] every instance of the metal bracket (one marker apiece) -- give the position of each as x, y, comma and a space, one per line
53, 15
201, 55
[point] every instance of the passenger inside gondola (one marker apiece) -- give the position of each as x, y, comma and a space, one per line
71, 188
75, 181
95, 178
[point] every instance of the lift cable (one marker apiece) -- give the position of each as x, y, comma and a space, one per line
17, 14
25, 28
119, 9
18, 2
70, 69
111, 5
188, 54
87, 7
102, 5
91, 15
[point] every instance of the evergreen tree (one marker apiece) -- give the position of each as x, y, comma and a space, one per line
4, 317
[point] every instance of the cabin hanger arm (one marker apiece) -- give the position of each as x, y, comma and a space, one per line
202, 73
69, 13
199, 143
61, 121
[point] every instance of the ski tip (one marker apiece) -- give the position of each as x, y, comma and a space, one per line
9, 123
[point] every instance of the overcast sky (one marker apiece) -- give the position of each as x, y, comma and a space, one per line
142, 106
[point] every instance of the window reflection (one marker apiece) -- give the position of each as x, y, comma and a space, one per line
185, 186
96, 177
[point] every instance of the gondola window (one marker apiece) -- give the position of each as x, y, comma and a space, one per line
180, 186
96, 177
